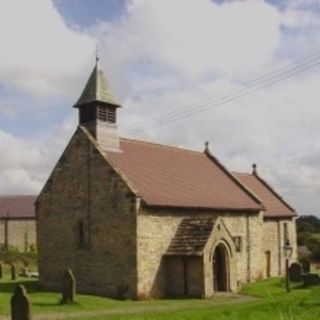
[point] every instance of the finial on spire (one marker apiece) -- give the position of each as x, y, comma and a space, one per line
97, 54
254, 169
206, 146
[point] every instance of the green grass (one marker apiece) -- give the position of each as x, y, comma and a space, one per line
271, 302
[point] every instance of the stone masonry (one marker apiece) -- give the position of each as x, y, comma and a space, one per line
105, 261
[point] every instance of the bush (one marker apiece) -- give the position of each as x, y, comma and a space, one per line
13, 255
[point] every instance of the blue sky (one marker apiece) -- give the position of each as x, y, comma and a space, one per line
86, 13
165, 57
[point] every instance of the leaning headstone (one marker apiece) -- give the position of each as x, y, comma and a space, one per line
68, 287
20, 304
305, 265
295, 272
310, 279
1, 270
13, 272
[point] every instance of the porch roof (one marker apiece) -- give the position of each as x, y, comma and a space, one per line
191, 237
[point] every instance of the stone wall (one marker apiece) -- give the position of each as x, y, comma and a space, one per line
249, 228
21, 233
184, 276
273, 242
86, 222
156, 228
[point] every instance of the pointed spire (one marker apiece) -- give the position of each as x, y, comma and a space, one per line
97, 89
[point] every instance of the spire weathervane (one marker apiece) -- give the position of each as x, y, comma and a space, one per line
97, 54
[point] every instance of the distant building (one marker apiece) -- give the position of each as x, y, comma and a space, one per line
17, 222
138, 219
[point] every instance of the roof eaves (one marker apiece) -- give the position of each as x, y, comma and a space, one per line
2, 217
225, 209
279, 215
183, 254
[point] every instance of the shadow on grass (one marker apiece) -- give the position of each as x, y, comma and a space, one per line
30, 285
309, 304
54, 304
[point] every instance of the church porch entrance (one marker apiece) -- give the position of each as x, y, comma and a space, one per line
220, 269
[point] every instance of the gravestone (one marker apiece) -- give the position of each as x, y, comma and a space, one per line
310, 279
68, 287
305, 265
295, 272
13, 272
20, 304
24, 272
1, 270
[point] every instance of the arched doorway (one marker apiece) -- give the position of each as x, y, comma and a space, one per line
220, 265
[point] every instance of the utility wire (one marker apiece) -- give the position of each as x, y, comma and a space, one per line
250, 87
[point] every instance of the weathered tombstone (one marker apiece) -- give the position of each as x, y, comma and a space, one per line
310, 279
13, 272
20, 304
1, 270
305, 265
295, 272
24, 272
68, 287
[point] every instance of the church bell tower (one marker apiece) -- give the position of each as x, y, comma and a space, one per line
98, 110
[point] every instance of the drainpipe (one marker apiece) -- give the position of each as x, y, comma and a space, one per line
279, 248
248, 249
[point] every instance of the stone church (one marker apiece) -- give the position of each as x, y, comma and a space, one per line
137, 219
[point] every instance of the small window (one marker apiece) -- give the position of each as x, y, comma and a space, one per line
286, 234
238, 243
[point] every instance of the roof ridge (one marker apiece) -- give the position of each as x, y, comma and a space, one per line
165, 146
241, 173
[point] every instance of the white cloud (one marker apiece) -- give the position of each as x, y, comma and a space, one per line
26, 163
39, 54
162, 55
191, 38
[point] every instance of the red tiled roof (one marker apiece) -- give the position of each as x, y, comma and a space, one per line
174, 177
274, 204
17, 206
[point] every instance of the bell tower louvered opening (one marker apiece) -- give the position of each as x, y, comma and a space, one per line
98, 110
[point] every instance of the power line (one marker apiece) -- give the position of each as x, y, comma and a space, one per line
250, 87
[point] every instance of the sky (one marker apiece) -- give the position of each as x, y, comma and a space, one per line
243, 75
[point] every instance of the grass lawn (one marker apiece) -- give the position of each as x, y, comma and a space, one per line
272, 302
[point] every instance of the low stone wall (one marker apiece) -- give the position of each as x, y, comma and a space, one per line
21, 233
